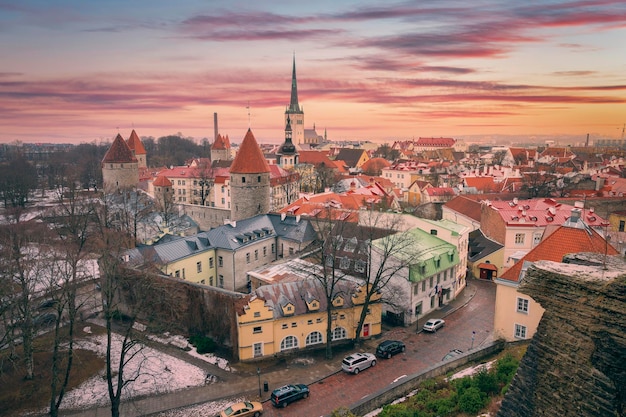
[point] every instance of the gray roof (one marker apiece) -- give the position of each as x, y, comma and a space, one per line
481, 246
278, 295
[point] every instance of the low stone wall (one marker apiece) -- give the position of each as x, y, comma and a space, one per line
410, 383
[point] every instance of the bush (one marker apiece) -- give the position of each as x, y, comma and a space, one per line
506, 368
472, 400
203, 344
486, 382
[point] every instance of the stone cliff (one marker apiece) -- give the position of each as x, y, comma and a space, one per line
576, 363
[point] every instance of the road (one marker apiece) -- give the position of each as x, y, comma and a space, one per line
423, 350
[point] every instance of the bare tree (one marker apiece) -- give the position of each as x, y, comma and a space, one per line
326, 177
72, 216
392, 251
21, 271
127, 296
205, 177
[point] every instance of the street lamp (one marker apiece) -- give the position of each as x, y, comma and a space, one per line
473, 334
258, 374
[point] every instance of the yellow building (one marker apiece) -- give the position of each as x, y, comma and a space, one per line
290, 316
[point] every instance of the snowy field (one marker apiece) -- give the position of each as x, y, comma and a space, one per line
156, 372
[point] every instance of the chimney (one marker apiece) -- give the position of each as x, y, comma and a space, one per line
575, 215
215, 130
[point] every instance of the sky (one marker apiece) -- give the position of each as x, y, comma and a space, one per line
83, 71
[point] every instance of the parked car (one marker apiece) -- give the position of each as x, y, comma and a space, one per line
433, 325
243, 409
388, 348
281, 397
452, 354
356, 362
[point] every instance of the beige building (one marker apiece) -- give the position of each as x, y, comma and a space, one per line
517, 315
291, 316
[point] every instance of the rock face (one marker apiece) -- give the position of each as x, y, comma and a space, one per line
576, 363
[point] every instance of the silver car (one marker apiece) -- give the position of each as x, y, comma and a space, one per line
356, 362
433, 325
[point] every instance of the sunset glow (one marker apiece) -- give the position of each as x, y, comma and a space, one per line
83, 71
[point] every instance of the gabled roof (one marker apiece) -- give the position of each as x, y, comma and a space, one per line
481, 246
540, 212
439, 142
350, 156
119, 152
465, 206
135, 144
563, 241
482, 184
250, 158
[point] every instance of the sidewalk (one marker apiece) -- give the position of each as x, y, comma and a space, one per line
246, 382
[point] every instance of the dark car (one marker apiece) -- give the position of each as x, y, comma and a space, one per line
388, 348
284, 395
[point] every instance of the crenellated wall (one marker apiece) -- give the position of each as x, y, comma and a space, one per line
576, 363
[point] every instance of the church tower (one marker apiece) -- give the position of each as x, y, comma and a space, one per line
287, 155
249, 181
220, 150
294, 112
119, 167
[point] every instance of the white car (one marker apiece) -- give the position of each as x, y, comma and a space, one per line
433, 325
357, 362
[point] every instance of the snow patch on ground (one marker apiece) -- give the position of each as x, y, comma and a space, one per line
155, 371
182, 343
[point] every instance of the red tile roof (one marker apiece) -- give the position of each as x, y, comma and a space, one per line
483, 184
135, 144
465, 206
561, 242
249, 159
439, 142
162, 181
221, 143
119, 152
540, 212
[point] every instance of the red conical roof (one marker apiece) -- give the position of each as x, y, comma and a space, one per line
249, 159
135, 144
221, 143
119, 152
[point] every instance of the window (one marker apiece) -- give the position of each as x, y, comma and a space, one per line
344, 263
415, 289
522, 305
309, 322
258, 349
211, 281
248, 257
289, 342
423, 286
198, 267
339, 333
519, 238
256, 254
431, 282
359, 266
314, 338
220, 261
177, 274
243, 180
622, 224
264, 250
257, 314
211, 262
257, 329
520, 331
318, 320
329, 260
258, 179
294, 324
273, 248
536, 238
290, 251
221, 281
285, 326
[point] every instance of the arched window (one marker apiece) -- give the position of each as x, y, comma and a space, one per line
289, 342
314, 338
339, 333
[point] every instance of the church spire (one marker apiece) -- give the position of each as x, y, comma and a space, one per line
293, 104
